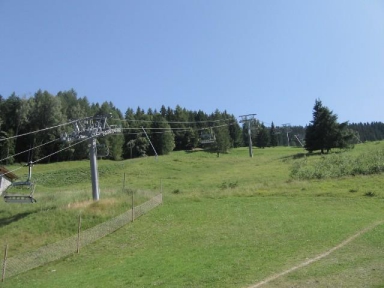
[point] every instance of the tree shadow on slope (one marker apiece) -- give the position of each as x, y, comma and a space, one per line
14, 218
300, 155
308, 154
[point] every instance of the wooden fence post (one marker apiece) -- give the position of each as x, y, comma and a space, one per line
78, 234
124, 183
133, 210
4, 263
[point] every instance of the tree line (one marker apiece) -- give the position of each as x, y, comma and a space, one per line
144, 132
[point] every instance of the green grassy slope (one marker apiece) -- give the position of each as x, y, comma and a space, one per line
225, 222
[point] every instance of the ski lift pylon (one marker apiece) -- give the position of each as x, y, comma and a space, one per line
25, 190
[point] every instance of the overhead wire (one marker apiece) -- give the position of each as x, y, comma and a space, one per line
9, 172
170, 129
123, 120
155, 128
173, 122
30, 149
42, 158
40, 130
76, 143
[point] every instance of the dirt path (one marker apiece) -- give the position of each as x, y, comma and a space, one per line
317, 258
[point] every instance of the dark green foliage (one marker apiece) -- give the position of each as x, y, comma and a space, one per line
272, 136
262, 137
72, 107
179, 129
23, 115
134, 136
6, 148
221, 132
324, 132
373, 131
113, 142
162, 136
141, 147
178, 119
235, 133
223, 142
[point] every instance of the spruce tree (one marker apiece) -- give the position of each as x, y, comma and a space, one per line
324, 132
262, 137
272, 136
223, 140
162, 139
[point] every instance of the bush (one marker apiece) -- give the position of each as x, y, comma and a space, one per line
339, 165
369, 194
226, 185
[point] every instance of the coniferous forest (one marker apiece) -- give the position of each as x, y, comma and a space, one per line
166, 129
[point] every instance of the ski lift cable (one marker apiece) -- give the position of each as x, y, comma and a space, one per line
44, 129
177, 129
123, 120
161, 129
155, 128
29, 149
174, 122
167, 130
145, 121
11, 171
78, 142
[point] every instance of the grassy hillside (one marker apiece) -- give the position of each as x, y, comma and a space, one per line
226, 222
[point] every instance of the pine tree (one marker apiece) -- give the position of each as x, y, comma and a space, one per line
235, 132
272, 136
223, 140
262, 138
162, 139
324, 133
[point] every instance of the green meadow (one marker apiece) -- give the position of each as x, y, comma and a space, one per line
228, 221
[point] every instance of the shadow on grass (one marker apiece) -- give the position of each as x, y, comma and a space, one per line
307, 154
8, 220
300, 155
194, 150
202, 150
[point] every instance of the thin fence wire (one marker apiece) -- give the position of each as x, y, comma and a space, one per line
27, 261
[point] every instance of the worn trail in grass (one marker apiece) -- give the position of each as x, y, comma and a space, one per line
308, 262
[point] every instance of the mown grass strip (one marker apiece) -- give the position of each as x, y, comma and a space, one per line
317, 258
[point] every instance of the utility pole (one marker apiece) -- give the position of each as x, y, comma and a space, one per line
131, 144
90, 128
94, 170
287, 130
248, 119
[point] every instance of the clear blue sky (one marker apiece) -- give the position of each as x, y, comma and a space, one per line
271, 57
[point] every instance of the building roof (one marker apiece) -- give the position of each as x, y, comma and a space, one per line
4, 171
